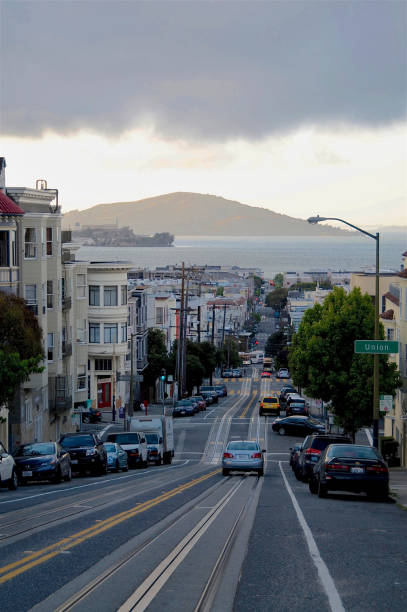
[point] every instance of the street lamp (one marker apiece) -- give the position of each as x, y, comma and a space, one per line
318, 219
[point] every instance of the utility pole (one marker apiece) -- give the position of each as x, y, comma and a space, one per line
213, 338
224, 321
199, 313
131, 412
180, 336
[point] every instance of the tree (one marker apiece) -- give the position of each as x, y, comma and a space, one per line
277, 347
220, 290
323, 362
20, 345
277, 299
278, 280
157, 356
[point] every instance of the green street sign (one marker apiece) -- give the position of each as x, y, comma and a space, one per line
377, 347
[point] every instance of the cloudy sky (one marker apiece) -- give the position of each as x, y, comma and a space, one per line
294, 106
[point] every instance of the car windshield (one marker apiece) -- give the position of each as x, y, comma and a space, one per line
35, 450
127, 438
110, 448
297, 404
152, 438
349, 451
270, 400
322, 443
243, 446
74, 441
313, 421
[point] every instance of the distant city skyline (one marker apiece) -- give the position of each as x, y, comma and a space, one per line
296, 107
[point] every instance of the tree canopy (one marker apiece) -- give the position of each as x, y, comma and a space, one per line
157, 356
323, 362
278, 280
277, 299
21, 349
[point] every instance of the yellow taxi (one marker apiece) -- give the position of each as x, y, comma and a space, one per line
269, 405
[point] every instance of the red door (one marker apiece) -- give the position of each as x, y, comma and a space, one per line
104, 395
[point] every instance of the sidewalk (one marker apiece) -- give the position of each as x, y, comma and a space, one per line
398, 485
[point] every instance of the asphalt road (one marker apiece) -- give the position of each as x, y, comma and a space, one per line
183, 537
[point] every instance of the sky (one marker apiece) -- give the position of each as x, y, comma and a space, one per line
299, 107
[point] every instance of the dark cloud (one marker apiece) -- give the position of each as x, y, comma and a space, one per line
200, 69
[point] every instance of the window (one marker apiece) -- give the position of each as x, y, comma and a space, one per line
390, 334
49, 240
94, 333
81, 330
13, 249
30, 296
94, 295
124, 294
62, 288
30, 243
50, 294
110, 333
123, 327
81, 285
104, 365
383, 303
110, 296
160, 315
50, 350
28, 411
81, 379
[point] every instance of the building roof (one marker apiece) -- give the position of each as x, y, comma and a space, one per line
8, 207
388, 315
392, 298
404, 254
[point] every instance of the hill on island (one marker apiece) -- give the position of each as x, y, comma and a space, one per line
194, 214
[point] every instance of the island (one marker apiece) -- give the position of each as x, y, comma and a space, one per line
114, 236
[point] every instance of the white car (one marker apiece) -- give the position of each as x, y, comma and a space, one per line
283, 373
8, 474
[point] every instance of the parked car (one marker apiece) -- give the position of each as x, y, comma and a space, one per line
91, 416
283, 393
311, 450
201, 402
221, 390
350, 467
243, 455
208, 397
159, 430
8, 472
116, 457
190, 401
266, 374
283, 373
134, 443
269, 405
296, 404
210, 390
190, 407
294, 454
297, 426
237, 373
86, 451
227, 373
42, 461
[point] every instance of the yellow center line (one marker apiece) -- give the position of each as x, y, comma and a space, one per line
18, 567
242, 416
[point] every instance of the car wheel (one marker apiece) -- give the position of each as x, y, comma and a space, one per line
260, 472
225, 472
322, 490
312, 485
68, 476
159, 461
379, 496
13, 482
297, 474
126, 468
58, 476
281, 431
117, 466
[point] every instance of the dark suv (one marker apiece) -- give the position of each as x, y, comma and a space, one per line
86, 451
311, 449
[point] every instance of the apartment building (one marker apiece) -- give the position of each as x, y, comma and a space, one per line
394, 320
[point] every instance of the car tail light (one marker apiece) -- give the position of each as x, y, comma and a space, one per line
340, 467
134, 452
312, 451
256, 456
227, 455
377, 468
261, 404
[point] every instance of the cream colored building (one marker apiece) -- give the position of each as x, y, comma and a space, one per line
394, 320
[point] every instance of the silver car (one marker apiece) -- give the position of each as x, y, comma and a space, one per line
244, 456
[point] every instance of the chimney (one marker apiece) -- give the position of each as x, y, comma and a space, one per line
2, 173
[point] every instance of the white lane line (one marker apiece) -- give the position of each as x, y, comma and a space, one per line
335, 602
369, 436
209, 413
93, 484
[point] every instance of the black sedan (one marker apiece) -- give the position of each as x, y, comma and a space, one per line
297, 426
351, 467
42, 461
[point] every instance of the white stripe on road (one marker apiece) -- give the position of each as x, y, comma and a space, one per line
335, 602
369, 436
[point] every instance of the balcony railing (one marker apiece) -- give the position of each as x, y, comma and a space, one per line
62, 404
66, 302
66, 349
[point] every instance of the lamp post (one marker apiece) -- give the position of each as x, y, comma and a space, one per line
375, 237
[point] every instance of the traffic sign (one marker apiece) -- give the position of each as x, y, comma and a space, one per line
377, 347
386, 403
